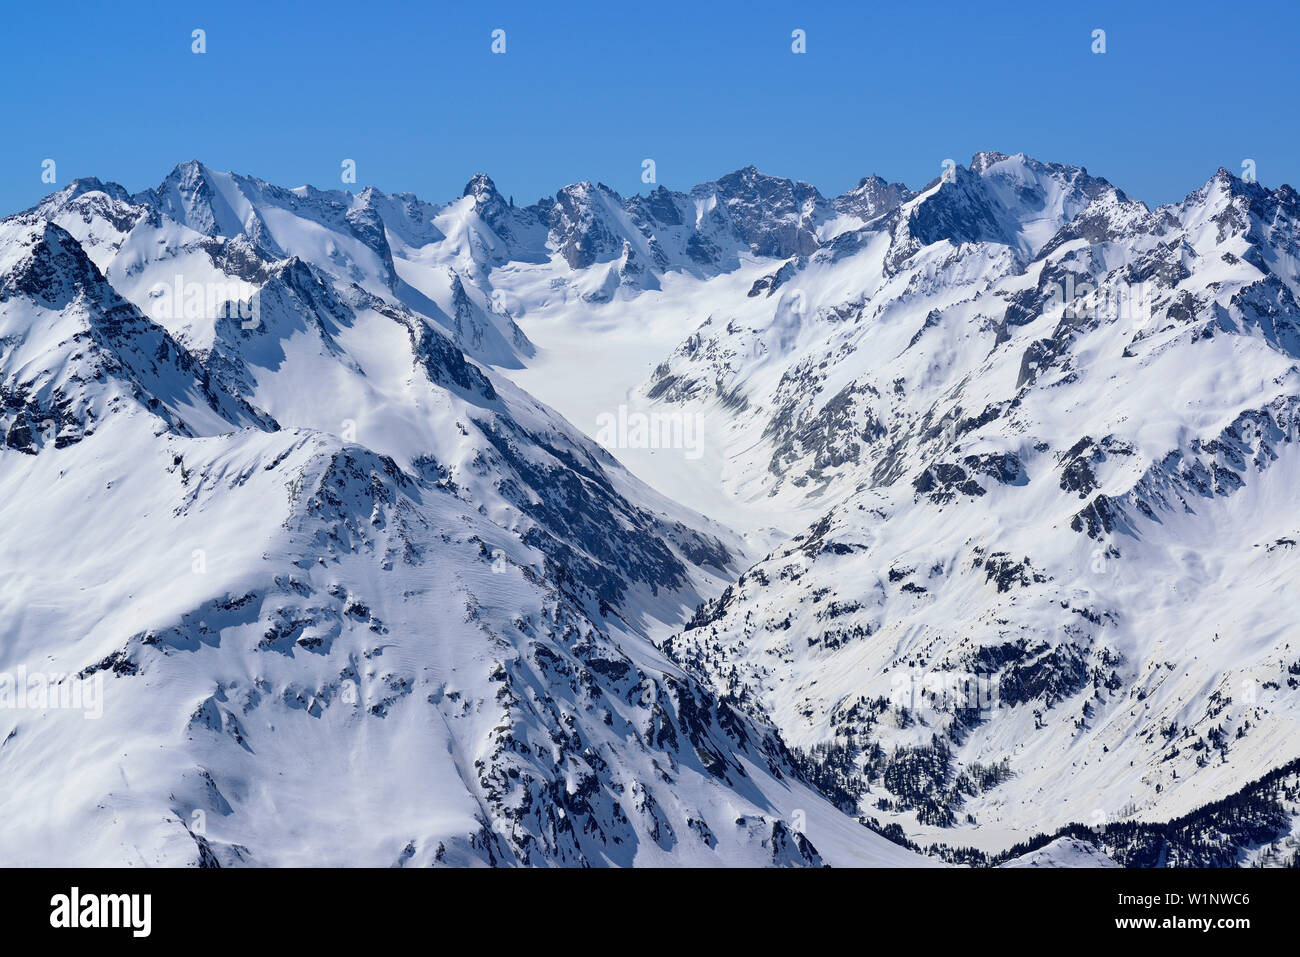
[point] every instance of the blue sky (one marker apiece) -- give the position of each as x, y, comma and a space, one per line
413, 93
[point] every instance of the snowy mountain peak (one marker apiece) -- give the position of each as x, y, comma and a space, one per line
43, 262
983, 159
484, 192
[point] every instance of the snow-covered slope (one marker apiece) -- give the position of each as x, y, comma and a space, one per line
997, 474
1047, 577
1031, 442
304, 585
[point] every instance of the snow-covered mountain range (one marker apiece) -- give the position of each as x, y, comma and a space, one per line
737, 526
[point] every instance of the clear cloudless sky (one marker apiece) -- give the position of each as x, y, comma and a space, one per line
587, 90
